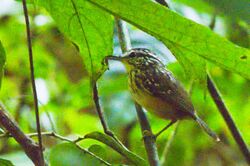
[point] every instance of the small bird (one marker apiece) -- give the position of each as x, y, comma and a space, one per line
155, 88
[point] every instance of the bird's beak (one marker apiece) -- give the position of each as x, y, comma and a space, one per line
115, 58
123, 59
111, 57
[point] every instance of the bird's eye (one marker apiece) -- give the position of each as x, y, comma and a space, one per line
132, 55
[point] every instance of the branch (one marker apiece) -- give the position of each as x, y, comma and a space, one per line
109, 141
49, 134
101, 115
149, 142
215, 94
30, 147
32, 76
99, 111
62, 138
168, 144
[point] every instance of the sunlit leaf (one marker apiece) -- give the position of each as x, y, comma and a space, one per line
87, 26
68, 154
180, 33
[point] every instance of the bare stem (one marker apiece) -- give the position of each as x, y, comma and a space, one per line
149, 142
32, 76
123, 35
214, 92
62, 138
49, 134
101, 114
30, 147
168, 144
99, 110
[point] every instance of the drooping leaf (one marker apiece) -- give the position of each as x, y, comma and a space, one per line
87, 26
107, 140
68, 154
2, 61
4, 162
178, 33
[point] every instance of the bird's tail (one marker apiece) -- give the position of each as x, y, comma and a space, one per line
205, 127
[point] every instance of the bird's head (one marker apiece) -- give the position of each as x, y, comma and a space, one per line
137, 58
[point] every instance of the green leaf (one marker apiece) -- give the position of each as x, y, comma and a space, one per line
235, 9
183, 36
194, 65
109, 141
2, 61
99, 151
69, 154
4, 162
87, 26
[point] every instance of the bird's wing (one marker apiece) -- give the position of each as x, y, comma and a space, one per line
161, 83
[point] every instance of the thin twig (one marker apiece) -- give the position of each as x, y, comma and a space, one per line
101, 115
32, 76
168, 144
215, 94
123, 35
62, 138
48, 133
99, 111
30, 147
149, 142
51, 134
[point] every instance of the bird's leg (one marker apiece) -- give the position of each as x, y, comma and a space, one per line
165, 128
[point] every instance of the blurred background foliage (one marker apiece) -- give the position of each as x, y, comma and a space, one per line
65, 98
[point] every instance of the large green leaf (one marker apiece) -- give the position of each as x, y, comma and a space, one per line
183, 36
236, 9
69, 154
2, 61
87, 26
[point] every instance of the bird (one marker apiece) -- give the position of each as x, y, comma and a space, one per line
156, 89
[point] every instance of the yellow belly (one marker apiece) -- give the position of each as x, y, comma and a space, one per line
154, 105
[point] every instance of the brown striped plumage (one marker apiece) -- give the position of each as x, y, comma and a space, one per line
155, 88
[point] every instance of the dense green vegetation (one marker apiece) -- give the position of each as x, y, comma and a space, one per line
70, 39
